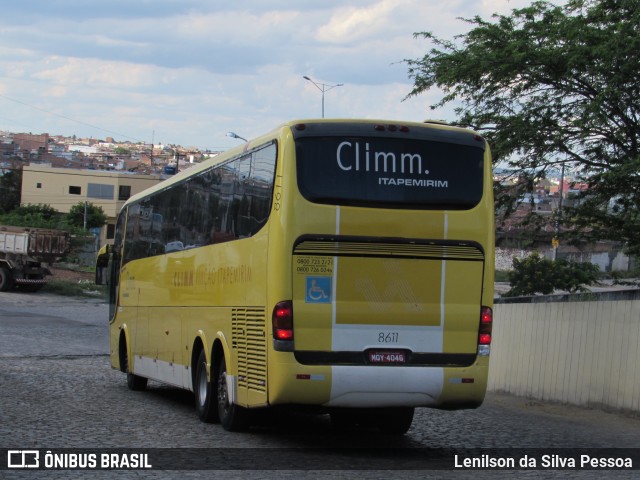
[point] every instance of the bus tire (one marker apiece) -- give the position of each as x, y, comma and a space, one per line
233, 417
345, 418
203, 388
134, 382
395, 421
6, 280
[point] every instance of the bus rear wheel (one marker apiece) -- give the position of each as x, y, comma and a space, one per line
206, 405
232, 417
395, 421
346, 418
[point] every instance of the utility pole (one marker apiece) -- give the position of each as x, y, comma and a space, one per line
555, 243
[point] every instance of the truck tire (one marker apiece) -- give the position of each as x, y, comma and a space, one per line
6, 280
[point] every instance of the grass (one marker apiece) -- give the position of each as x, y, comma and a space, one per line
86, 289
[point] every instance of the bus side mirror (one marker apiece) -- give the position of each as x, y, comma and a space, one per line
102, 265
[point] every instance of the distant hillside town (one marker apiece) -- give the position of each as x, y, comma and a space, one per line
549, 195
88, 153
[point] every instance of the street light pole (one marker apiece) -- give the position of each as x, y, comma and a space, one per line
235, 135
323, 88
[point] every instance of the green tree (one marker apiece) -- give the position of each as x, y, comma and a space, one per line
10, 188
550, 85
536, 274
33, 216
122, 151
95, 216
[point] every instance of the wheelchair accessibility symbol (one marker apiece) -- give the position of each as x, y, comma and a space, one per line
318, 290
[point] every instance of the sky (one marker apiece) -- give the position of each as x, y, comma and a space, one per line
186, 72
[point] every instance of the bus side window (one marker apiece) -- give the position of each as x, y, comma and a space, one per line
263, 169
242, 198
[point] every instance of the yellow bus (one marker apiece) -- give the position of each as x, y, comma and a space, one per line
343, 265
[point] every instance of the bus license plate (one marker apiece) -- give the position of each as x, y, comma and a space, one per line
386, 357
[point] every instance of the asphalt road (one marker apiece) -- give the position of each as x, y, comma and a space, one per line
57, 391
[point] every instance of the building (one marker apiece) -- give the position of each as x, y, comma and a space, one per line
30, 142
62, 188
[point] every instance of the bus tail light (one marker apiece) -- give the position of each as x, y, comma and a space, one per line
282, 320
484, 332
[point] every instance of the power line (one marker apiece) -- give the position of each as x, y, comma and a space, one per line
71, 119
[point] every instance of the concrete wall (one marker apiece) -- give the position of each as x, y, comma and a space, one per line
578, 352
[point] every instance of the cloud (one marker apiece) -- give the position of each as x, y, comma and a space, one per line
99, 74
351, 24
188, 71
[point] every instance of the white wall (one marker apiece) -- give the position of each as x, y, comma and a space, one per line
583, 353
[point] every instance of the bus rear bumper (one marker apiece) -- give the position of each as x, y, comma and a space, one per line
348, 386
356, 386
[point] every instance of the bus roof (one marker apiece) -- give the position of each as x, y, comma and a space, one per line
272, 135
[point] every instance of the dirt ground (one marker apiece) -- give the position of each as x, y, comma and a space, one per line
70, 275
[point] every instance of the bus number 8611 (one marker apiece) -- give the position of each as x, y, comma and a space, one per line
388, 337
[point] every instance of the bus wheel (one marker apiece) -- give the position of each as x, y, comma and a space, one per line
206, 405
232, 417
134, 382
6, 281
395, 421
345, 418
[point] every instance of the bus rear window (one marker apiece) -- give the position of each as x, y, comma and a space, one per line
390, 172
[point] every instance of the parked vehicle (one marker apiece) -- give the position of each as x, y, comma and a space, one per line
25, 253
